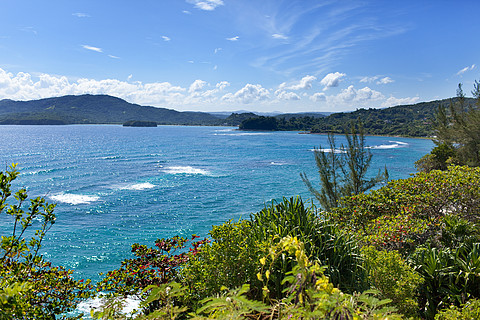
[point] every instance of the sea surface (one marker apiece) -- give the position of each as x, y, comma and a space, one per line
115, 186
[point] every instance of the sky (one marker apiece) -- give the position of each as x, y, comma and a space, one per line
230, 55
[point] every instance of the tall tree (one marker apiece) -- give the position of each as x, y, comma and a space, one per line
343, 171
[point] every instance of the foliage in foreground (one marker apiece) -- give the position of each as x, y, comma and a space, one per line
308, 295
420, 256
30, 287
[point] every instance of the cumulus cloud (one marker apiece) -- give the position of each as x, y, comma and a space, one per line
279, 36
165, 38
318, 96
304, 83
351, 94
248, 94
284, 95
222, 85
91, 48
332, 80
207, 5
392, 101
233, 38
385, 80
197, 86
459, 73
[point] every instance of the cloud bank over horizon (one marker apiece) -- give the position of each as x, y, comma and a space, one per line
200, 95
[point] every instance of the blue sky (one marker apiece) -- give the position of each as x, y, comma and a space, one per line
226, 55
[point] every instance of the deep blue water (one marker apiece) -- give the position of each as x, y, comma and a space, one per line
116, 186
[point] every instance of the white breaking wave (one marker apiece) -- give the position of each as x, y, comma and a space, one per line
243, 134
394, 145
71, 198
129, 304
138, 186
330, 150
185, 170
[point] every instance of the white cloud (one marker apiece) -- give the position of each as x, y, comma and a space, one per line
369, 79
332, 80
392, 101
248, 94
233, 38
368, 94
186, 12
284, 95
207, 5
459, 73
279, 36
80, 15
197, 86
304, 83
385, 80
130, 77
222, 85
351, 95
318, 96
217, 50
113, 57
165, 38
87, 47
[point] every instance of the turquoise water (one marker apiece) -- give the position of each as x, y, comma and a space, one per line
116, 186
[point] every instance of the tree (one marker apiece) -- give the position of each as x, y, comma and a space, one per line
343, 171
457, 134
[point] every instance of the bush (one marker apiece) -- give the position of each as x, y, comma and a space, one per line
452, 276
394, 278
407, 212
229, 260
468, 311
323, 241
30, 287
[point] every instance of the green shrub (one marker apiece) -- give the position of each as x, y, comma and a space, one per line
30, 287
229, 260
411, 209
452, 276
468, 311
394, 278
323, 241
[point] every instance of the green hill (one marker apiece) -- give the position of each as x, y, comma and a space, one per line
89, 109
406, 120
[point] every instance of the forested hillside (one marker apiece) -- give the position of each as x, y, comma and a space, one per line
406, 120
88, 109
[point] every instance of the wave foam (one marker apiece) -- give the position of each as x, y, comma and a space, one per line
71, 198
394, 145
243, 134
330, 150
138, 186
129, 304
185, 170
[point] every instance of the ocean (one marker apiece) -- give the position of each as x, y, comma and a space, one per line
115, 186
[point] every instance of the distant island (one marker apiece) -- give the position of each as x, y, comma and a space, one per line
405, 120
139, 123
